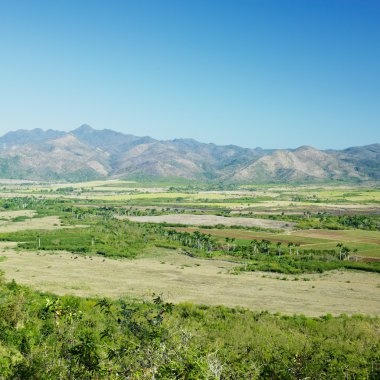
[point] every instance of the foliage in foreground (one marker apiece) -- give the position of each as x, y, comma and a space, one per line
46, 337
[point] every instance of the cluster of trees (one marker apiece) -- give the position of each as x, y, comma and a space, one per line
363, 222
265, 255
46, 337
207, 243
132, 211
341, 222
266, 246
344, 251
197, 239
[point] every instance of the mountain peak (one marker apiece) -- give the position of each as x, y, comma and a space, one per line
305, 148
84, 128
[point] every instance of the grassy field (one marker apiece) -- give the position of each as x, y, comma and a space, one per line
9, 215
44, 223
183, 279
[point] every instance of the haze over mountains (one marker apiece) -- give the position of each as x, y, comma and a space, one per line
86, 153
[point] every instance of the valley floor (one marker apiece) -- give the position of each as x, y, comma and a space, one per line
180, 279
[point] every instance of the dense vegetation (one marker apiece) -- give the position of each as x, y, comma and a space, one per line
46, 337
341, 222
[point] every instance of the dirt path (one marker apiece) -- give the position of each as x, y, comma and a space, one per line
180, 278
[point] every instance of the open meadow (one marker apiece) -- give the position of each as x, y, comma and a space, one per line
180, 278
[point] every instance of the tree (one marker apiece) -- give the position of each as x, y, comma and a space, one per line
254, 245
340, 246
232, 241
278, 248
265, 246
345, 252
227, 239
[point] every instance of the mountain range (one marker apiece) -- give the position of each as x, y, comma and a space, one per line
86, 153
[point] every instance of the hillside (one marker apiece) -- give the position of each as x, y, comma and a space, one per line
303, 164
86, 153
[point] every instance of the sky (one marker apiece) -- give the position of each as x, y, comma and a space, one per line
274, 74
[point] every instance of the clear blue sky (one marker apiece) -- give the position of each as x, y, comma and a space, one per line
266, 73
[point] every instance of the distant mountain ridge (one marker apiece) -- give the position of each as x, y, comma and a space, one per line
86, 153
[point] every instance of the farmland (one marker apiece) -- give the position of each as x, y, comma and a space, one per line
240, 224
367, 243
209, 262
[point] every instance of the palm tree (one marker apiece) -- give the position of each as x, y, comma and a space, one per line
228, 243
232, 240
340, 246
197, 236
265, 246
346, 251
254, 244
278, 247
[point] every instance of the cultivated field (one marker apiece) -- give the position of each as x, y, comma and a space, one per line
367, 243
258, 198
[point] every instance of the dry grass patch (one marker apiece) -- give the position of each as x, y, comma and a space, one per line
14, 214
181, 279
212, 220
44, 223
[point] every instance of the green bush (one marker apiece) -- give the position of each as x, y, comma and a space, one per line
47, 337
